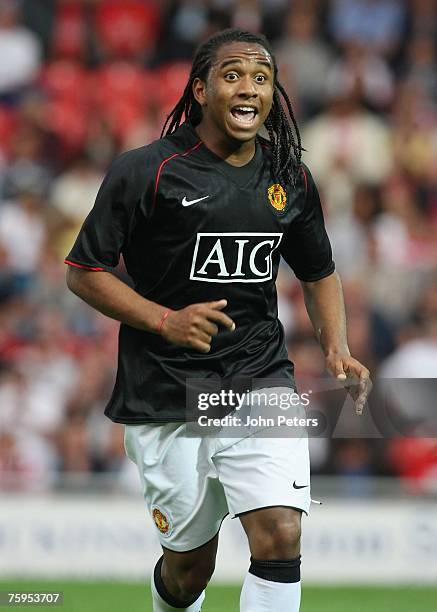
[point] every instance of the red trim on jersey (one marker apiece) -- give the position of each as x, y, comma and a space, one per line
71, 263
167, 159
305, 178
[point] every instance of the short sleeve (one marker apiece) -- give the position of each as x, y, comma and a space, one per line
108, 225
306, 247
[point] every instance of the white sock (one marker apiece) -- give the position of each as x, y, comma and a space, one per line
159, 605
259, 595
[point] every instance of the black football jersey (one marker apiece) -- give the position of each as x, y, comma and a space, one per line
192, 228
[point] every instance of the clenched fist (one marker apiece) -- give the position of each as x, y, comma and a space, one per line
194, 326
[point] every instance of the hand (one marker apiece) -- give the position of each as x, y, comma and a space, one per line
359, 385
196, 325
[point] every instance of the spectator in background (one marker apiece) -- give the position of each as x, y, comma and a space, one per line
421, 65
22, 236
26, 169
304, 59
247, 15
68, 36
350, 233
416, 356
126, 29
27, 457
361, 67
346, 146
403, 253
414, 133
422, 18
352, 459
377, 24
187, 25
414, 456
20, 52
48, 375
27, 463
38, 17
9, 285
74, 191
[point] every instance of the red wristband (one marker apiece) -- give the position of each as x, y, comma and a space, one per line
163, 318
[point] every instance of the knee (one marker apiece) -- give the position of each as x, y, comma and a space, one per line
193, 580
279, 539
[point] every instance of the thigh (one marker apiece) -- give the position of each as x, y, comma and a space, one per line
183, 494
259, 472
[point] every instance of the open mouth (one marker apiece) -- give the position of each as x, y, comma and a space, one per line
244, 114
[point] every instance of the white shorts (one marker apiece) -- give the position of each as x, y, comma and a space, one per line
191, 483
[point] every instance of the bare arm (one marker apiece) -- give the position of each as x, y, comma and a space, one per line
325, 306
193, 326
110, 296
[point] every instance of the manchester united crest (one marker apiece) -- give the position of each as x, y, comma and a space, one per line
161, 521
277, 196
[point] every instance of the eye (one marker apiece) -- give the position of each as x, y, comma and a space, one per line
231, 76
260, 78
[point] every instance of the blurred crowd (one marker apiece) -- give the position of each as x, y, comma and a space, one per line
83, 80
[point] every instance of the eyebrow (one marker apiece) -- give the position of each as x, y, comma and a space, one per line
239, 61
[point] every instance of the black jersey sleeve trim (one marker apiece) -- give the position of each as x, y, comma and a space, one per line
316, 277
165, 161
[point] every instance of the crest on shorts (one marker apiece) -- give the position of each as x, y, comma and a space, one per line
162, 521
277, 196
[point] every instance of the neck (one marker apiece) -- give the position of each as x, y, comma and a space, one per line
233, 152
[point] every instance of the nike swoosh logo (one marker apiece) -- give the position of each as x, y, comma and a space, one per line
186, 202
295, 486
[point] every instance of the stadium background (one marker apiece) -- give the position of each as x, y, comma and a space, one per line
81, 81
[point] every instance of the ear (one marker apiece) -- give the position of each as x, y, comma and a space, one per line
199, 91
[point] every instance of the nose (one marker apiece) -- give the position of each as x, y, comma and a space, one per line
247, 87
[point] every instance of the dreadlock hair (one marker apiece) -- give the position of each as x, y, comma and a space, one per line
282, 128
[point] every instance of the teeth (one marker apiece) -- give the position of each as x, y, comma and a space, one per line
242, 120
244, 114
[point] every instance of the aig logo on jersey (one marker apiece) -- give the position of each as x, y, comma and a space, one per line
277, 196
234, 257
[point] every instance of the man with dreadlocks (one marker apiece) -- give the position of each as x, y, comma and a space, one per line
201, 217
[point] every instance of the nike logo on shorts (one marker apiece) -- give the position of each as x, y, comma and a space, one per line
295, 486
186, 202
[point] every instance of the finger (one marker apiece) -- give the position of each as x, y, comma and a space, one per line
202, 347
220, 317
365, 381
204, 337
209, 328
359, 407
365, 388
218, 304
355, 368
340, 374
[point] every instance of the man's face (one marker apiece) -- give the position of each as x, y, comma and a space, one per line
238, 93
